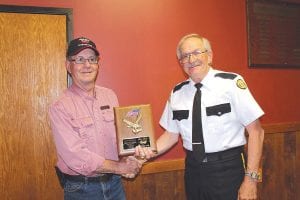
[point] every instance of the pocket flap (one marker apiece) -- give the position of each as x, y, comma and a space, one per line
218, 110
87, 121
180, 114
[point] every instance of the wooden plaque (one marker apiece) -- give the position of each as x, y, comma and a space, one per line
273, 34
134, 126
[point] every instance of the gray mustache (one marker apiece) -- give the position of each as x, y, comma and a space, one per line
194, 64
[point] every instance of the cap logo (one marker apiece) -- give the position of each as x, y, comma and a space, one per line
85, 45
84, 40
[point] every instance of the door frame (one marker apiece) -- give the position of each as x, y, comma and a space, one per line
68, 12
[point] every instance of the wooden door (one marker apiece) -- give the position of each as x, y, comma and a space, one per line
32, 74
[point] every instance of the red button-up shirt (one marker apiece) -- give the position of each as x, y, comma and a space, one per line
83, 129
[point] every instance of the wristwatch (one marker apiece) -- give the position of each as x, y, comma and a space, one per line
253, 175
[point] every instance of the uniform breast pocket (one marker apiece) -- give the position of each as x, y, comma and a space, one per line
180, 114
218, 110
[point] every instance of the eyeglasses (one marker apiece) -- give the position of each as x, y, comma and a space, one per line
82, 60
186, 57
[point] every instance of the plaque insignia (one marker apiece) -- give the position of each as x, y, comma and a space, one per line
132, 120
134, 126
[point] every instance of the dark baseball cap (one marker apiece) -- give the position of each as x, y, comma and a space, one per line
79, 44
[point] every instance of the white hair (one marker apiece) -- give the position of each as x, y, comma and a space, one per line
205, 41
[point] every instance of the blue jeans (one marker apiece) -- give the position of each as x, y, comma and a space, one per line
110, 190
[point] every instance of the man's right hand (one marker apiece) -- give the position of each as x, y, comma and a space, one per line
144, 153
130, 166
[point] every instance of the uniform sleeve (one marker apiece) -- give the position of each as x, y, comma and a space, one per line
166, 120
70, 147
245, 105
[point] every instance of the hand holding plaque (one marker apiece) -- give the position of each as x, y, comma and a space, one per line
134, 126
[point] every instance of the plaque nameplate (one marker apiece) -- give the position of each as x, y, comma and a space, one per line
134, 126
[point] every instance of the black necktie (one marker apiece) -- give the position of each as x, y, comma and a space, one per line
198, 142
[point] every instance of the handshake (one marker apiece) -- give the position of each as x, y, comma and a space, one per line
131, 165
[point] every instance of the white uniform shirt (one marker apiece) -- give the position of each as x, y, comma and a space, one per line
227, 106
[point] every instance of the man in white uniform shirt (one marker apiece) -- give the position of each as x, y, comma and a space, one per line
227, 109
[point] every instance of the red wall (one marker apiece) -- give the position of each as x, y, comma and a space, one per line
137, 40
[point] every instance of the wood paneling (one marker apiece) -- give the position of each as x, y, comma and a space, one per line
280, 161
167, 185
32, 74
280, 165
158, 180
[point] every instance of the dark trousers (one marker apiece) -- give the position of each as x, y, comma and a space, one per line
218, 179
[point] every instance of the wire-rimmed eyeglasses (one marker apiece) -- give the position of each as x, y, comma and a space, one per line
185, 58
82, 60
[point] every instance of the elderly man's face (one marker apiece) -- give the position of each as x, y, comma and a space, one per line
195, 58
85, 73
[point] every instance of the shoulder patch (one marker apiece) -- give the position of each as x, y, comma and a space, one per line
179, 86
226, 75
241, 84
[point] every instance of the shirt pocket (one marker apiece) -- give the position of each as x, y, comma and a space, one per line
82, 126
217, 118
180, 114
108, 115
218, 110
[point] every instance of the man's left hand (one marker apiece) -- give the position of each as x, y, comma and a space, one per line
248, 190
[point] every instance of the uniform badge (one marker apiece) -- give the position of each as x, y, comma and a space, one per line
241, 84
132, 120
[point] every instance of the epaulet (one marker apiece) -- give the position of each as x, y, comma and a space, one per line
226, 75
179, 86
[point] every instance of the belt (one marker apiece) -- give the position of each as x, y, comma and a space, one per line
81, 178
221, 155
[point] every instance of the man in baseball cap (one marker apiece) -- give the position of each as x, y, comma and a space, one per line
82, 123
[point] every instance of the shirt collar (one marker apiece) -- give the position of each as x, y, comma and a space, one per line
81, 92
205, 81
209, 76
